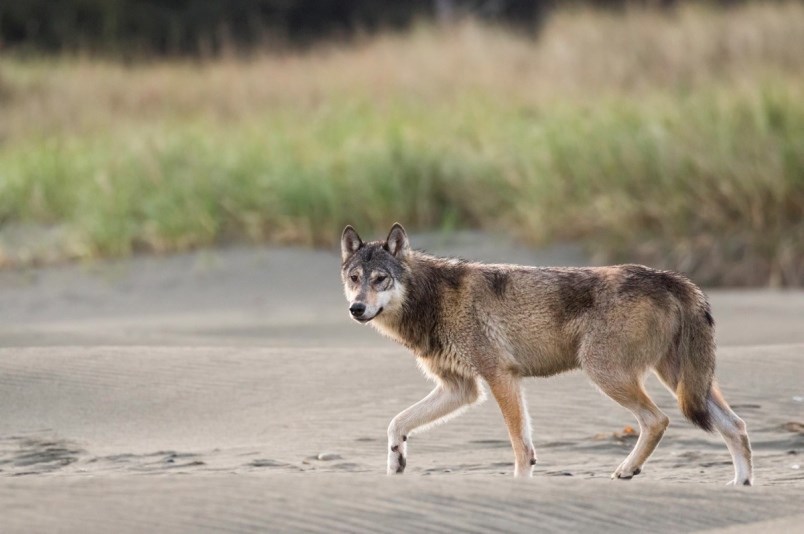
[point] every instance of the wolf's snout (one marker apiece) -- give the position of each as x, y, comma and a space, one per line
357, 309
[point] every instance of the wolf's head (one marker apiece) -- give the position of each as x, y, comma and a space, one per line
373, 273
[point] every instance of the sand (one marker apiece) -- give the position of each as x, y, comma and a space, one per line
228, 391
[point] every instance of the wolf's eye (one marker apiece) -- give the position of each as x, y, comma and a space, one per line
354, 278
380, 279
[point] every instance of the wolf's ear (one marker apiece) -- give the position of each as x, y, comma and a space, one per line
350, 242
397, 241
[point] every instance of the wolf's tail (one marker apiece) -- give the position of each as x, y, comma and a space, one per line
695, 357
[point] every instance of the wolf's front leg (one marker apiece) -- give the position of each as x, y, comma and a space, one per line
445, 400
508, 392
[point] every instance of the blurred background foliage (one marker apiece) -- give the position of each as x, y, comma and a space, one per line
668, 133
135, 27
201, 27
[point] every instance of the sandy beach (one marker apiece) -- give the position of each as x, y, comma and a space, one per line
227, 390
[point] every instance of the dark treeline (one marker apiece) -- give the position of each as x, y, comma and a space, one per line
192, 27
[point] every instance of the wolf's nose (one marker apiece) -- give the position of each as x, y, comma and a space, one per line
357, 309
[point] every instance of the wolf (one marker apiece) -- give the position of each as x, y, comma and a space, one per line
469, 323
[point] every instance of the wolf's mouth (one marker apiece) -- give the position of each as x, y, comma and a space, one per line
367, 319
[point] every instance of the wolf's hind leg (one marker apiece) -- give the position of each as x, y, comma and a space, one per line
445, 400
508, 393
732, 428
629, 393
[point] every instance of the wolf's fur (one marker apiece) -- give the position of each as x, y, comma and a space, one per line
468, 321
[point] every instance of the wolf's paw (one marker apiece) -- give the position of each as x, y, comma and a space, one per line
740, 482
524, 467
625, 472
397, 459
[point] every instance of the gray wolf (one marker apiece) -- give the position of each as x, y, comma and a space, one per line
469, 322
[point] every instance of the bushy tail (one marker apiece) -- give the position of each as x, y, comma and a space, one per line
696, 359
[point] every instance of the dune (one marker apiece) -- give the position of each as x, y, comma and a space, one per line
228, 391
373, 503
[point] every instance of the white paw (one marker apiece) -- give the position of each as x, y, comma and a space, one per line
526, 472
626, 472
397, 457
740, 482
524, 468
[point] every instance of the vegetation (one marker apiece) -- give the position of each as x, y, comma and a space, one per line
132, 28
676, 140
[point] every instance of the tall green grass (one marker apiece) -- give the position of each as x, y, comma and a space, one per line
704, 174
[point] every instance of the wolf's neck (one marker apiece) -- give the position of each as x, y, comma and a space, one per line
419, 323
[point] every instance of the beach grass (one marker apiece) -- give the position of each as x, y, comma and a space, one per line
676, 140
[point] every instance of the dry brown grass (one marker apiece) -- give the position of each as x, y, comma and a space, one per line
581, 54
